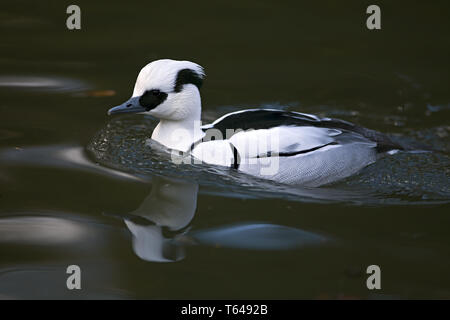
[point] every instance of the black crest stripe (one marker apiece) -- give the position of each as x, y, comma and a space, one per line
186, 76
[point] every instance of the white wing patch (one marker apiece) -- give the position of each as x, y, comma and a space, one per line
284, 139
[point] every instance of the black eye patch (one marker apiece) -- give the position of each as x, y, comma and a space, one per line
152, 98
186, 76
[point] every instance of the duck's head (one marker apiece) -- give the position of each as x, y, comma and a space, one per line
166, 89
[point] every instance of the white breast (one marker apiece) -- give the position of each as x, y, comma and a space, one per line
216, 152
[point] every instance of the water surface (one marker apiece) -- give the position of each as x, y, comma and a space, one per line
79, 187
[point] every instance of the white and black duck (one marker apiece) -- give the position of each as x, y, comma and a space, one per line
287, 147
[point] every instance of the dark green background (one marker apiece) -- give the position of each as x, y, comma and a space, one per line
316, 57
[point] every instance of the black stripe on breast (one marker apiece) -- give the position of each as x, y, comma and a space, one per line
236, 157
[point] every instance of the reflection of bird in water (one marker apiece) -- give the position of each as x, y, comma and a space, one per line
165, 213
160, 226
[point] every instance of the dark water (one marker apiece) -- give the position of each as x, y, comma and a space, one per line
78, 187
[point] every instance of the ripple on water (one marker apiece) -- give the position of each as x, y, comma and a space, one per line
258, 236
41, 83
425, 177
124, 144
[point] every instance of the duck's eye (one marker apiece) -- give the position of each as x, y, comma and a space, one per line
152, 98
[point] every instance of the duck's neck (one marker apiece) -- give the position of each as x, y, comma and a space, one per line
178, 135
181, 134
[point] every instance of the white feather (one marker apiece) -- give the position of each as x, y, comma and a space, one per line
284, 139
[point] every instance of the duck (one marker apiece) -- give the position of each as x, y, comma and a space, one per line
286, 147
